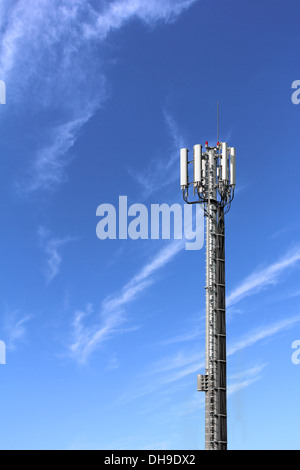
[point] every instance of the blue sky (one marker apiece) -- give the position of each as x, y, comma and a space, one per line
105, 338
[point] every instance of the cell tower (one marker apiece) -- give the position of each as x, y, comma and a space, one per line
213, 186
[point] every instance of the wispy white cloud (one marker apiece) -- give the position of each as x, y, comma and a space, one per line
119, 12
51, 248
87, 336
177, 362
245, 378
113, 363
264, 277
262, 333
186, 336
112, 316
15, 328
45, 57
163, 169
48, 168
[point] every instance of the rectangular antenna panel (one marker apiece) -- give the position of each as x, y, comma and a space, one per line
184, 168
224, 162
197, 164
232, 166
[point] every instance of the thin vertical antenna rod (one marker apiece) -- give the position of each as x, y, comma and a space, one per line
218, 121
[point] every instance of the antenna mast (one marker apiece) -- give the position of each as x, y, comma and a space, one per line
218, 121
214, 184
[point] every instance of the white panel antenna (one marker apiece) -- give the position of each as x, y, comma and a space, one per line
232, 167
224, 162
184, 168
197, 165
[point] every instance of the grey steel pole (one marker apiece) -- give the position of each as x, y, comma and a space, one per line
211, 343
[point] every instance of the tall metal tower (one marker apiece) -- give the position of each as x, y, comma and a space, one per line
213, 186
